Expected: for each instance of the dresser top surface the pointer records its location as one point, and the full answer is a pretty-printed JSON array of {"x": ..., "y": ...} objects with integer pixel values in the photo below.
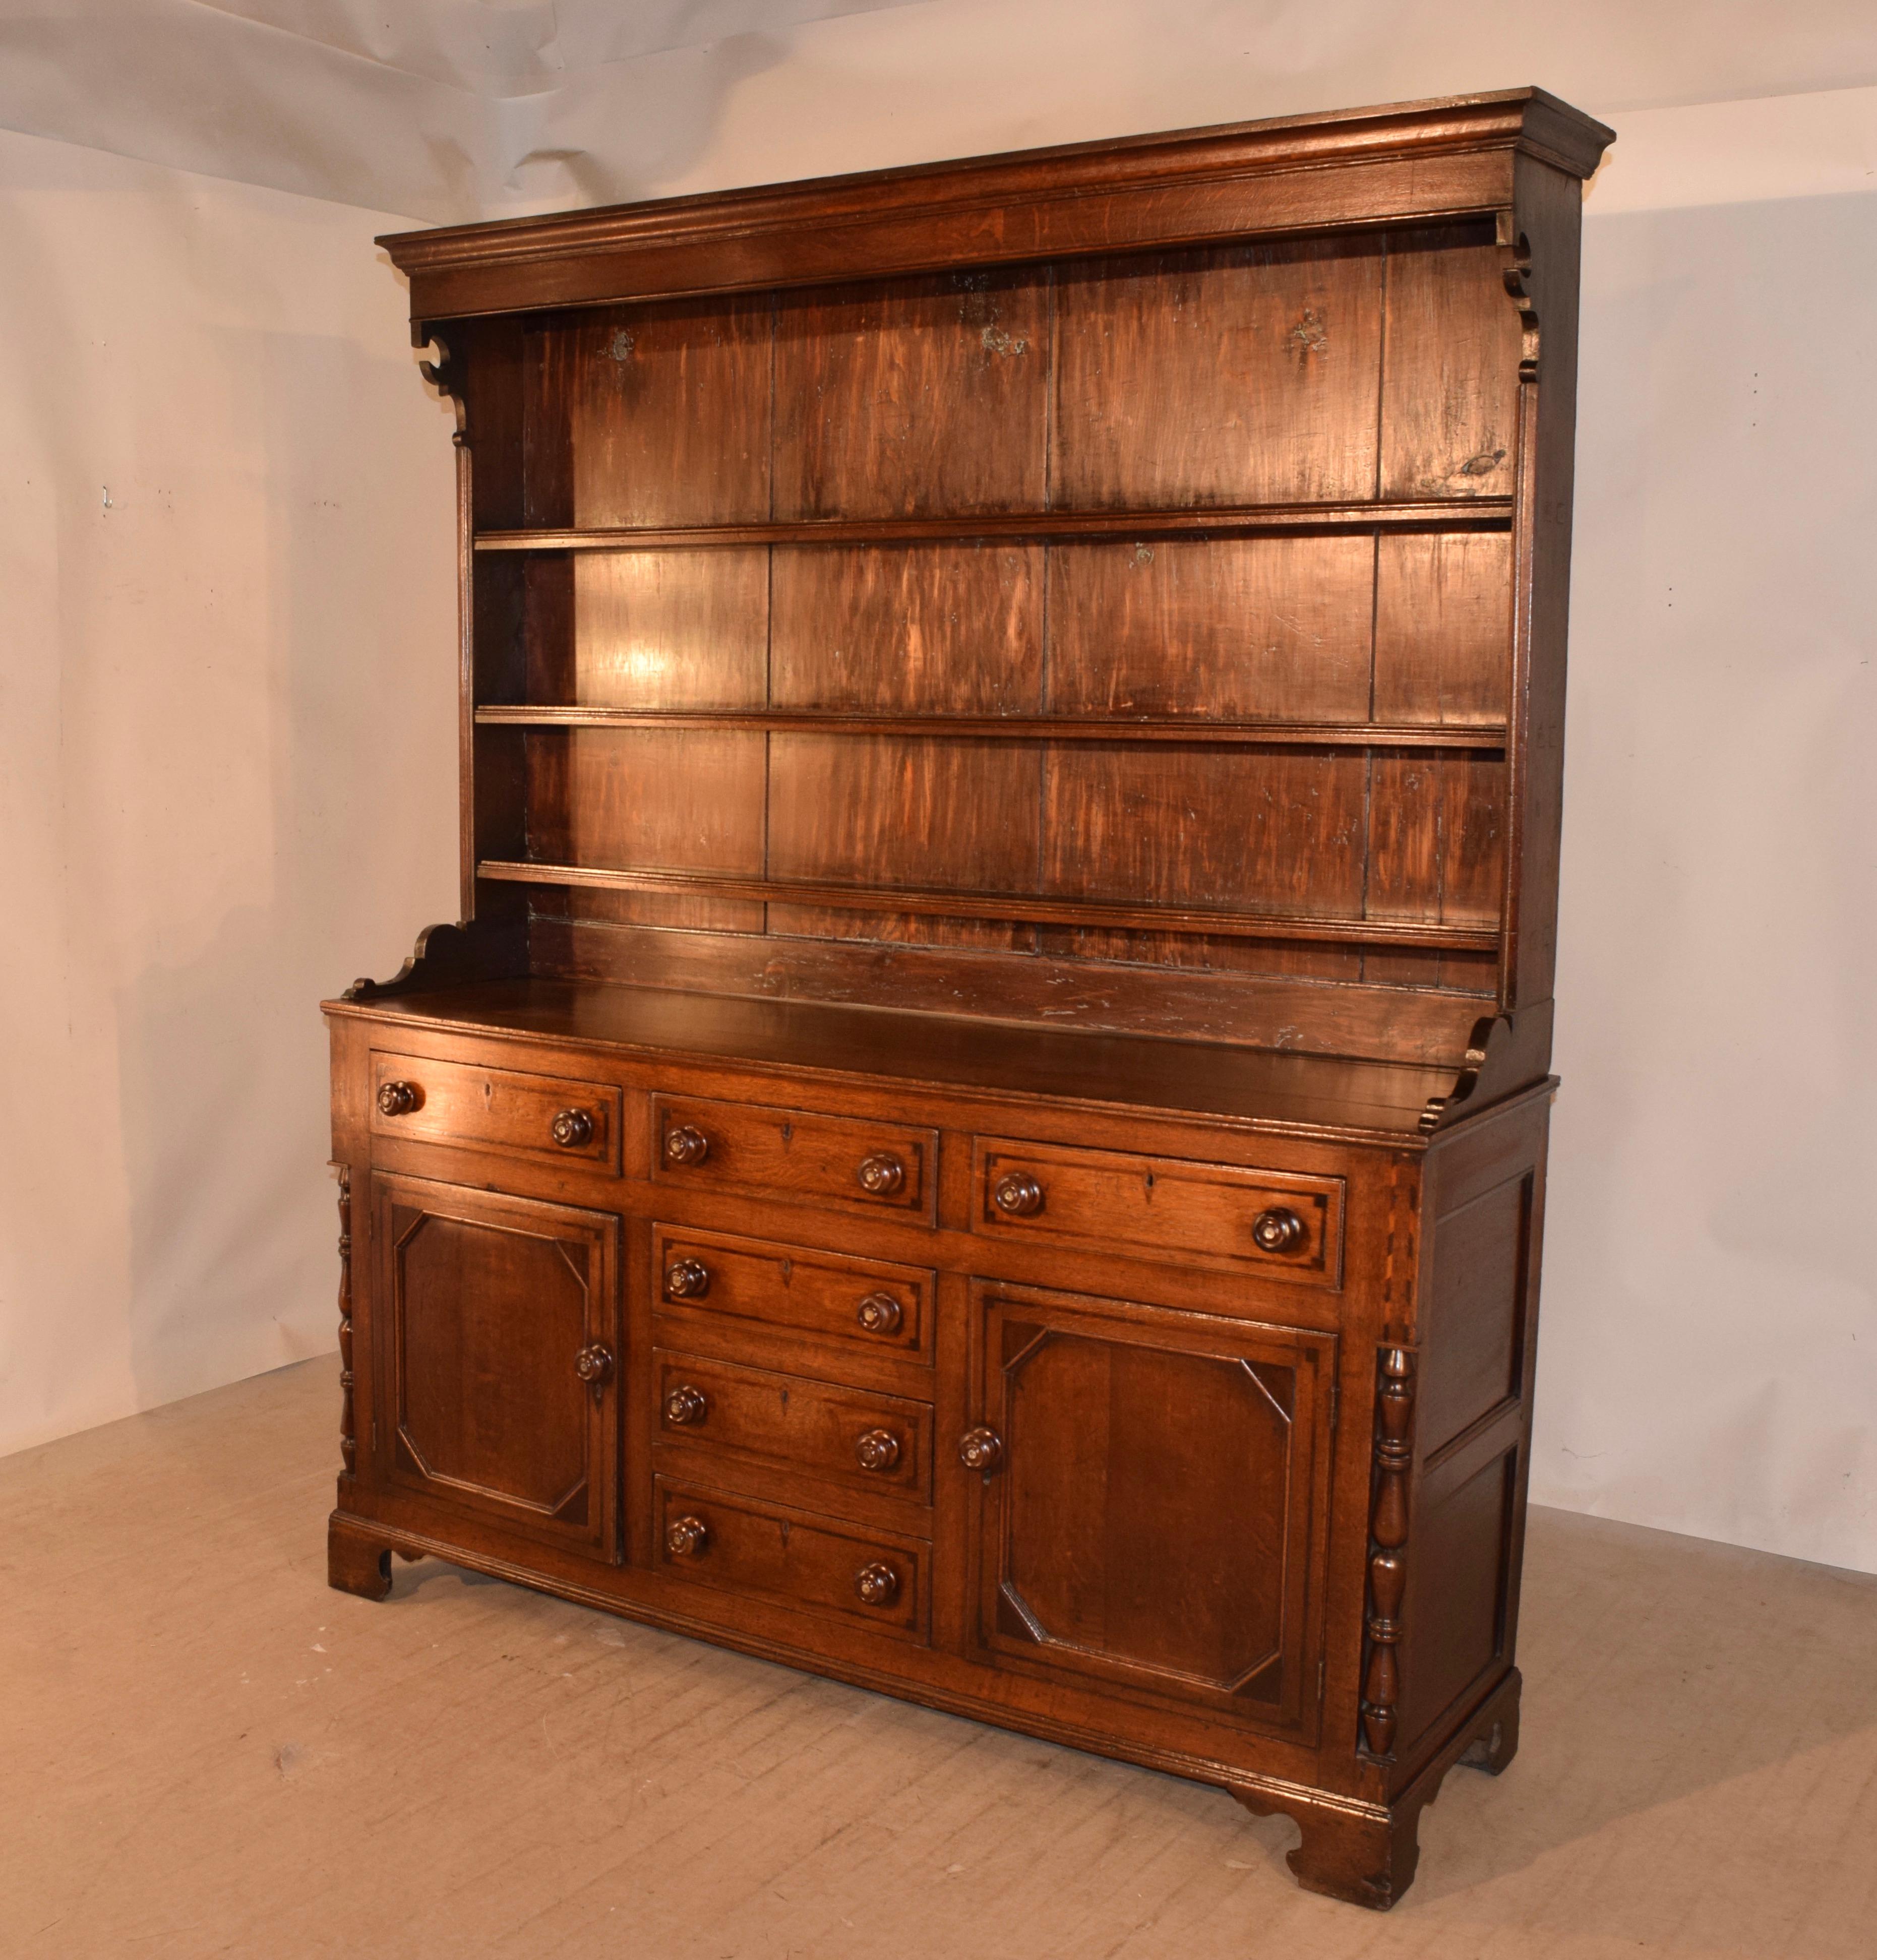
[{"x": 1370, "y": 1100}]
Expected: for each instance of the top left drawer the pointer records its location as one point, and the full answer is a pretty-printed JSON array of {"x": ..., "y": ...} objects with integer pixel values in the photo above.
[{"x": 537, "y": 1117}]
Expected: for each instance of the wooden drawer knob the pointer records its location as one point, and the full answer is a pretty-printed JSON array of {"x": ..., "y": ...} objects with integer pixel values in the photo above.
[
  {"x": 685, "y": 1538},
  {"x": 685, "y": 1404},
  {"x": 684, "y": 1145},
  {"x": 881, "y": 1175},
  {"x": 1018, "y": 1194},
  {"x": 592, "y": 1365},
  {"x": 879, "y": 1313},
  {"x": 400, "y": 1099},
  {"x": 877, "y": 1449},
  {"x": 980, "y": 1450},
  {"x": 687, "y": 1279},
  {"x": 573, "y": 1129},
  {"x": 1279, "y": 1229},
  {"x": 878, "y": 1584}
]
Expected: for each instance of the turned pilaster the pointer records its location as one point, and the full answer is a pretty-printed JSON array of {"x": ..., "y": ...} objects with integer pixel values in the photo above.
[
  {"x": 348, "y": 1437},
  {"x": 1387, "y": 1535}
]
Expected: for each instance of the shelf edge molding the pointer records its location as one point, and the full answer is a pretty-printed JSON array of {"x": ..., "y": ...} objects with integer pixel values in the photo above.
[
  {"x": 1095, "y": 914},
  {"x": 1487, "y": 738},
  {"x": 1441, "y": 514}
]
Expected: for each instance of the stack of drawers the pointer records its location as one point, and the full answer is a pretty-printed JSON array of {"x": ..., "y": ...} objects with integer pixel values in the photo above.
[{"x": 792, "y": 1460}]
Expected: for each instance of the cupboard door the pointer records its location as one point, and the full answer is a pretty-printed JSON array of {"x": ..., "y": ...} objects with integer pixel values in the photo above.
[
  {"x": 1153, "y": 1500},
  {"x": 501, "y": 1356}
]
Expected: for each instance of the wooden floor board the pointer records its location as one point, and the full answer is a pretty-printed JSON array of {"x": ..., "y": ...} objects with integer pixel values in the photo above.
[{"x": 203, "y": 1752}]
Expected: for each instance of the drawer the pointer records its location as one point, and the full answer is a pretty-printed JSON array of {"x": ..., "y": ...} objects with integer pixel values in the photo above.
[
  {"x": 854, "y": 1438},
  {"x": 792, "y": 1558},
  {"x": 841, "y": 1160},
  {"x": 541, "y": 1118},
  {"x": 1271, "y": 1222},
  {"x": 860, "y": 1307}
]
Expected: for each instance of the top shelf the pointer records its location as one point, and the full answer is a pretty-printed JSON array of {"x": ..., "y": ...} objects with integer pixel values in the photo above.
[{"x": 1450, "y": 513}]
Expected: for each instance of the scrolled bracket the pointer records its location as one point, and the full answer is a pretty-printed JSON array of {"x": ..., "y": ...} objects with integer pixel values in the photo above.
[
  {"x": 1387, "y": 1548},
  {"x": 447, "y": 375},
  {"x": 1516, "y": 271},
  {"x": 452, "y": 955}
]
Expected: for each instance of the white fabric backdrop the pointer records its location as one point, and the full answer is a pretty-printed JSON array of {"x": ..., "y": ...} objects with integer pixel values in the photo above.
[{"x": 217, "y": 690}]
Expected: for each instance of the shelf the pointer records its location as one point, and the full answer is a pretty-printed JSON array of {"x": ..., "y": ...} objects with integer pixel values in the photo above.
[
  {"x": 1435, "y": 513},
  {"x": 1095, "y": 914},
  {"x": 1479, "y": 738}
]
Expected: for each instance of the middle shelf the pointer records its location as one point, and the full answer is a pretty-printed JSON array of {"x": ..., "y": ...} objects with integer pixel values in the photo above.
[{"x": 1477, "y": 738}]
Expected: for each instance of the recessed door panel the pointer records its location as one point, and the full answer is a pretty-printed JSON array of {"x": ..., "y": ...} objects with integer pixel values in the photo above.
[
  {"x": 504, "y": 1355},
  {"x": 1154, "y": 1513}
]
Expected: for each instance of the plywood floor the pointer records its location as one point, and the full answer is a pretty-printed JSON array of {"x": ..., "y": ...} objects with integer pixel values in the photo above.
[{"x": 203, "y": 1752}]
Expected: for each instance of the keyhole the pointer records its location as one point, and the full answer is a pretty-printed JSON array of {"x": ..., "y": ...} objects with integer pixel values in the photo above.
[
  {"x": 788, "y": 1269},
  {"x": 788, "y": 1130},
  {"x": 785, "y": 1398}
]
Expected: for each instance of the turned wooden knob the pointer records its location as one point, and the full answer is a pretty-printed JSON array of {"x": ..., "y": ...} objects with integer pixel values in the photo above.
[
  {"x": 400, "y": 1099},
  {"x": 592, "y": 1365},
  {"x": 685, "y": 1404},
  {"x": 573, "y": 1129},
  {"x": 1017, "y": 1193},
  {"x": 877, "y": 1449},
  {"x": 684, "y": 1145},
  {"x": 882, "y": 1174},
  {"x": 879, "y": 1313},
  {"x": 877, "y": 1584},
  {"x": 685, "y": 1538},
  {"x": 1279, "y": 1229},
  {"x": 687, "y": 1279},
  {"x": 980, "y": 1450}
]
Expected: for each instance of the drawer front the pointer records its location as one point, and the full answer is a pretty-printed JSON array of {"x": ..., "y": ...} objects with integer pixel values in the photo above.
[
  {"x": 1271, "y": 1222},
  {"x": 541, "y": 1118},
  {"x": 768, "y": 1552},
  {"x": 840, "y": 1161},
  {"x": 848, "y": 1437},
  {"x": 860, "y": 1307}
]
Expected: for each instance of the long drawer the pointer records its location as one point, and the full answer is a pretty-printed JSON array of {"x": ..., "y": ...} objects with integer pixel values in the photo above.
[
  {"x": 780, "y": 1297},
  {"x": 1221, "y": 1216},
  {"x": 765, "y": 1551},
  {"x": 855, "y": 1439},
  {"x": 532, "y": 1118},
  {"x": 849, "y": 1162}
]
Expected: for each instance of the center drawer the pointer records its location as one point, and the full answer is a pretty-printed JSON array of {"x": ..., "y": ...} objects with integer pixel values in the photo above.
[
  {"x": 846, "y": 1161},
  {"x": 765, "y": 1295},
  {"x": 855, "y": 1439}
]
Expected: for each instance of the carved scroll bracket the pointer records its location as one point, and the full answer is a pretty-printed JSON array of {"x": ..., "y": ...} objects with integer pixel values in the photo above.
[
  {"x": 1388, "y": 1562},
  {"x": 453, "y": 956},
  {"x": 348, "y": 1434},
  {"x": 1517, "y": 274},
  {"x": 446, "y": 376}
]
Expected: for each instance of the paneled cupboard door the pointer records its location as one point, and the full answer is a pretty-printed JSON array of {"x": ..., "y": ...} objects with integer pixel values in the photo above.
[
  {"x": 1152, "y": 1500},
  {"x": 502, "y": 1352}
]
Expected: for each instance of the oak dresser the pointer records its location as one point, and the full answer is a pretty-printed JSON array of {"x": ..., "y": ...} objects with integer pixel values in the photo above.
[{"x": 982, "y": 1131}]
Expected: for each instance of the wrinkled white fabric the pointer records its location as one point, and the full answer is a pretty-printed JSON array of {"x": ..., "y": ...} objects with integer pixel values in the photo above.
[{"x": 448, "y": 110}]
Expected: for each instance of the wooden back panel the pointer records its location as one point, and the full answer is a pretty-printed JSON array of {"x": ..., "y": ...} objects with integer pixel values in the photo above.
[{"x": 1069, "y": 625}]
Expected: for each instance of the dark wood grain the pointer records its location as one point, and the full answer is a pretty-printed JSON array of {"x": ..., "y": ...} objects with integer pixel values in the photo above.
[
  {"x": 1450, "y": 393},
  {"x": 1244, "y": 374},
  {"x": 940, "y": 630},
  {"x": 1228, "y": 630},
  {"x": 668, "y": 630},
  {"x": 920, "y": 396}
]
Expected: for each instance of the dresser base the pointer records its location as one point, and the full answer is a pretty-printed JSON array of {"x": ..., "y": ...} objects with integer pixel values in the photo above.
[{"x": 1362, "y": 1853}]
